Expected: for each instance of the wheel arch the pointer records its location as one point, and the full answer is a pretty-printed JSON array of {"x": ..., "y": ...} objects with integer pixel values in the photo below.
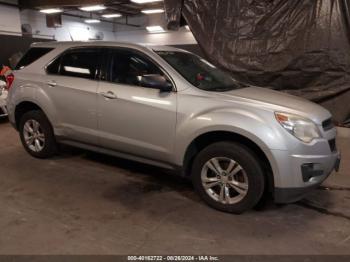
[
  {"x": 24, "y": 107},
  {"x": 205, "y": 139}
]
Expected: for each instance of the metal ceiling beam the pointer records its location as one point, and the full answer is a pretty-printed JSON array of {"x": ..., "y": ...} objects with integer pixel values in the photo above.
[
  {"x": 76, "y": 3},
  {"x": 124, "y": 11},
  {"x": 59, "y": 3}
]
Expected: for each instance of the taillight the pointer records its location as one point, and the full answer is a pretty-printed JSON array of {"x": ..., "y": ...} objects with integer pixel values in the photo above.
[{"x": 9, "y": 80}]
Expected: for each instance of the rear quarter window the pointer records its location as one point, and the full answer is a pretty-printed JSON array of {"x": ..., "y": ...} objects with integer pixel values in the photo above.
[{"x": 31, "y": 56}]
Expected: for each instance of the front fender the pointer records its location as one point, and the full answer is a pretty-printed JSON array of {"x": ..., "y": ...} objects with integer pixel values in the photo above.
[{"x": 260, "y": 128}]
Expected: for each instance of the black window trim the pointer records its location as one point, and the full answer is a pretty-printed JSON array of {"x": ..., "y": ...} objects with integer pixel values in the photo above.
[
  {"x": 104, "y": 61},
  {"x": 107, "y": 59},
  {"x": 97, "y": 76}
]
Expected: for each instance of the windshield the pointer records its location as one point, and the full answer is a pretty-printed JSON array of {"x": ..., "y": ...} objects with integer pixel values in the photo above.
[{"x": 200, "y": 72}]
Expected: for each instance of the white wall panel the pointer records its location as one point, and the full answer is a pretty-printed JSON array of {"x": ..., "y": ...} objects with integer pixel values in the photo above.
[{"x": 10, "y": 22}]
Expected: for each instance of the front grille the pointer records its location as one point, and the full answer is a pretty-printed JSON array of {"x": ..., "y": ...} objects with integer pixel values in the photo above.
[
  {"x": 327, "y": 124},
  {"x": 332, "y": 145}
]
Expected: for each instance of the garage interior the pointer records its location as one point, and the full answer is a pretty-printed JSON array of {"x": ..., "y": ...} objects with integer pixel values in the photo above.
[{"x": 85, "y": 203}]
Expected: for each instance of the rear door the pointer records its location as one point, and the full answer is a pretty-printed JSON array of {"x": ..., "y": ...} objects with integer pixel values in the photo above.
[
  {"x": 135, "y": 119},
  {"x": 72, "y": 82}
]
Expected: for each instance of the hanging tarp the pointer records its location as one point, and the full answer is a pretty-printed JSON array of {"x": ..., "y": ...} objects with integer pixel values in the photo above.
[{"x": 297, "y": 46}]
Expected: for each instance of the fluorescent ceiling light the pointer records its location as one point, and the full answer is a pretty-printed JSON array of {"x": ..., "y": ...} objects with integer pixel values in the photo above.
[
  {"x": 51, "y": 11},
  {"x": 145, "y": 1},
  {"x": 92, "y": 21},
  {"x": 92, "y": 8},
  {"x": 155, "y": 29},
  {"x": 111, "y": 15},
  {"x": 152, "y": 11}
]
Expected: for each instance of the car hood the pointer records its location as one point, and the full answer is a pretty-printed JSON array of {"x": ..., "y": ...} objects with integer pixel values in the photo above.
[{"x": 279, "y": 101}]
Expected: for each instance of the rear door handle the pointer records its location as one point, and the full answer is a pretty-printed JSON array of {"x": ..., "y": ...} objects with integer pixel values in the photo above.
[
  {"x": 52, "y": 83},
  {"x": 109, "y": 95}
]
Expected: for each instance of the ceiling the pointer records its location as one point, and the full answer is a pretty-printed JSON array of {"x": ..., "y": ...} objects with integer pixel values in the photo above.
[{"x": 124, "y": 7}]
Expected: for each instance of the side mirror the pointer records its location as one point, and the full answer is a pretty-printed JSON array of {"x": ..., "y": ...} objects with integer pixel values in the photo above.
[{"x": 156, "y": 81}]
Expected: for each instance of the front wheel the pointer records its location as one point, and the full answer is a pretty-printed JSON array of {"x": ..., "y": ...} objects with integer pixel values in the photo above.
[
  {"x": 228, "y": 177},
  {"x": 37, "y": 134}
]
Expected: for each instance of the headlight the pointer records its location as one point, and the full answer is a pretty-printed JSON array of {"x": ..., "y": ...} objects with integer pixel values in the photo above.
[{"x": 302, "y": 128}]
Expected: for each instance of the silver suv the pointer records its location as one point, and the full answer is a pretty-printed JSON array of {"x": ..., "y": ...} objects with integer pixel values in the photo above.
[{"x": 170, "y": 108}]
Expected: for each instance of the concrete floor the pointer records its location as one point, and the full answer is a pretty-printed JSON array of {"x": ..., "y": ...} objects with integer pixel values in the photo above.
[{"x": 85, "y": 203}]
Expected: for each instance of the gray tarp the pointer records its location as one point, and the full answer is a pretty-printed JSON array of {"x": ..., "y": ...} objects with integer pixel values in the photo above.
[{"x": 298, "y": 46}]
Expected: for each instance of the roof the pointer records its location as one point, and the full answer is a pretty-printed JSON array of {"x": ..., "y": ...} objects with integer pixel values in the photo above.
[{"x": 68, "y": 44}]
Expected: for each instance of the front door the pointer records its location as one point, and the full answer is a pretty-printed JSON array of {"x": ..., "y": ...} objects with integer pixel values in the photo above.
[{"x": 134, "y": 119}]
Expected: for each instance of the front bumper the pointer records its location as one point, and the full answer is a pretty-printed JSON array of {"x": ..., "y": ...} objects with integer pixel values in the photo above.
[
  {"x": 291, "y": 195},
  {"x": 296, "y": 181}
]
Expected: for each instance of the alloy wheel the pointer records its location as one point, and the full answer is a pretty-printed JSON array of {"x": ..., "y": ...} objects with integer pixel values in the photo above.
[
  {"x": 224, "y": 180},
  {"x": 34, "y": 135}
]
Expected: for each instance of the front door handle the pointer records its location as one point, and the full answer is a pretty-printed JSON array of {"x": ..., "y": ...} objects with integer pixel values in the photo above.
[
  {"x": 52, "y": 83},
  {"x": 109, "y": 95}
]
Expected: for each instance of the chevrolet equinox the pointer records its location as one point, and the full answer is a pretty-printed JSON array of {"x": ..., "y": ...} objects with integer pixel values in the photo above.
[{"x": 170, "y": 108}]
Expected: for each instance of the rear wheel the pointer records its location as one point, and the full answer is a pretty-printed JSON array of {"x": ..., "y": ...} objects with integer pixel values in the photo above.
[
  {"x": 37, "y": 134},
  {"x": 228, "y": 177}
]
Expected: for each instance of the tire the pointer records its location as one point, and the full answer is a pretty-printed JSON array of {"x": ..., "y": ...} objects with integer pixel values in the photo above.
[
  {"x": 44, "y": 134},
  {"x": 241, "y": 177}
]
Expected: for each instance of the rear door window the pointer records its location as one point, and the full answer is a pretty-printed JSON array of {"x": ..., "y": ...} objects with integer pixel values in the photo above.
[
  {"x": 82, "y": 63},
  {"x": 32, "y": 55}
]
